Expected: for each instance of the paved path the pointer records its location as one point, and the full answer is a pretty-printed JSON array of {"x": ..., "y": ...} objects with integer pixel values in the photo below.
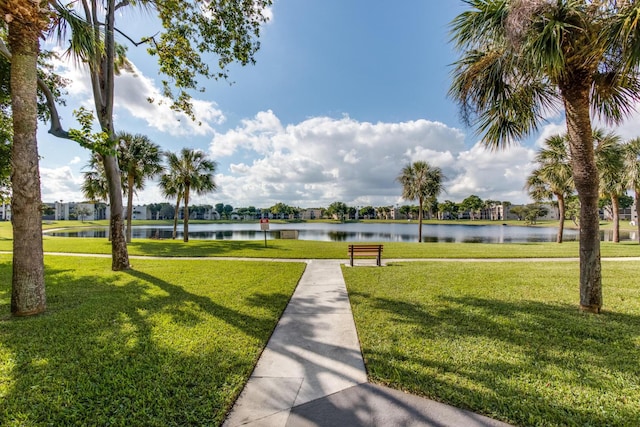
[{"x": 312, "y": 372}]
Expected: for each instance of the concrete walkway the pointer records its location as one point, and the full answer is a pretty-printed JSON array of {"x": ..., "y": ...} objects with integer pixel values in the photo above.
[{"x": 312, "y": 373}]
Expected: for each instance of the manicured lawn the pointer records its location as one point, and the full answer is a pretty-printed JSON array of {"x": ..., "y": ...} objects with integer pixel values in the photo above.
[
  {"x": 504, "y": 340},
  {"x": 168, "y": 343}
]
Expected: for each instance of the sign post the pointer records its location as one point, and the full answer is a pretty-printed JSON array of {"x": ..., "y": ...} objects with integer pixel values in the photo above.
[{"x": 264, "y": 226}]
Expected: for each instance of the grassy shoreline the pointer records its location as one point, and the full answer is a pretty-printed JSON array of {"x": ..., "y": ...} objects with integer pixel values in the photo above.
[{"x": 299, "y": 249}]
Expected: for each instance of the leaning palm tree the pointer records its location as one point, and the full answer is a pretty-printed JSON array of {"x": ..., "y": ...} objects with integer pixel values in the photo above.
[
  {"x": 553, "y": 176},
  {"x": 522, "y": 59},
  {"x": 190, "y": 171},
  {"x": 632, "y": 174},
  {"x": 420, "y": 181},
  {"x": 139, "y": 158},
  {"x": 610, "y": 160}
]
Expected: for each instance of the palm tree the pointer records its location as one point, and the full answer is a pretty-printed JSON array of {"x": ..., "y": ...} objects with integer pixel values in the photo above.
[
  {"x": 94, "y": 185},
  {"x": 170, "y": 188},
  {"x": 420, "y": 181},
  {"x": 610, "y": 160},
  {"x": 26, "y": 22},
  {"x": 632, "y": 174},
  {"x": 521, "y": 59},
  {"x": 190, "y": 171},
  {"x": 553, "y": 176},
  {"x": 139, "y": 159}
]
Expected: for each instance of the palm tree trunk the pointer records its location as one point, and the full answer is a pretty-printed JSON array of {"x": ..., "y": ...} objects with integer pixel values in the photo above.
[
  {"x": 28, "y": 287},
  {"x": 561, "y": 213},
  {"x": 420, "y": 220},
  {"x": 175, "y": 219},
  {"x": 129, "y": 206},
  {"x": 186, "y": 214},
  {"x": 585, "y": 174},
  {"x": 638, "y": 212},
  {"x": 615, "y": 206}
]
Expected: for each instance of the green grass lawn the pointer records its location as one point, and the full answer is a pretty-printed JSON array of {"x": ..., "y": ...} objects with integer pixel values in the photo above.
[
  {"x": 172, "y": 342},
  {"x": 507, "y": 341},
  {"x": 168, "y": 343}
]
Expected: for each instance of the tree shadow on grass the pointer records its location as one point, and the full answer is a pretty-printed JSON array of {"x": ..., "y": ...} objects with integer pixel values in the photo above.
[
  {"x": 532, "y": 363},
  {"x": 175, "y": 248},
  {"x": 125, "y": 349}
]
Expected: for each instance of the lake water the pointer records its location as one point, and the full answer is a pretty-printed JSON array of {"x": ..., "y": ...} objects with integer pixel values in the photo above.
[{"x": 355, "y": 232}]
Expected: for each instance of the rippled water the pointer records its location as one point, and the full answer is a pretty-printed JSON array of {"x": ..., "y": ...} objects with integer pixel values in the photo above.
[{"x": 356, "y": 232}]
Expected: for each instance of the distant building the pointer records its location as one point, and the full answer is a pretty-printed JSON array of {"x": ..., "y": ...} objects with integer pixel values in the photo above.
[
  {"x": 311, "y": 213},
  {"x": 5, "y": 212}
]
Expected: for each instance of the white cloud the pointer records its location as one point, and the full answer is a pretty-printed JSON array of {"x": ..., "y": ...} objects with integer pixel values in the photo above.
[
  {"x": 322, "y": 160},
  {"x": 132, "y": 92},
  {"x": 496, "y": 175},
  {"x": 60, "y": 184}
]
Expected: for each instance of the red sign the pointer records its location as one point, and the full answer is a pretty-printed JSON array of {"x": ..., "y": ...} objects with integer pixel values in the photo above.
[
  {"x": 263, "y": 220},
  {"x": 264, "y": 224}
]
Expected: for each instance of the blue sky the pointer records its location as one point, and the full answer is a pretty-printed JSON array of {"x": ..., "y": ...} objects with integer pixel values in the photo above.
[{"x": 343, "y": 95}]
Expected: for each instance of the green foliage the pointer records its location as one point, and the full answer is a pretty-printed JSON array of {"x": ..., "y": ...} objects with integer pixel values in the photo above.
[
  {"x": 473, "y": 204},
  {"x": 165, "y": 344},
  {"x": 507, "y": 342},
  {"x": 97, "y": 142},
  {"x": 227, "y": 29},
  {"x": 337, "y": 209}
]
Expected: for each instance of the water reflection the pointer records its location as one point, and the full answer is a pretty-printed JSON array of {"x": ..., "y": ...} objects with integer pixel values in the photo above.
[{"x": 357, "y": 232}]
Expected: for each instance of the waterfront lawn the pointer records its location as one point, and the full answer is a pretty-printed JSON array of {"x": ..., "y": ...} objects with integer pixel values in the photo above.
[
  {"x": 307, "y": 249},
  {"x": 167, "y": 343},
  {"x": 506, "y": 340}
]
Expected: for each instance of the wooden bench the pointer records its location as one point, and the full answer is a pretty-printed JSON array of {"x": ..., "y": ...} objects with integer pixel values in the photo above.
[{"x": 366, "y": 251}]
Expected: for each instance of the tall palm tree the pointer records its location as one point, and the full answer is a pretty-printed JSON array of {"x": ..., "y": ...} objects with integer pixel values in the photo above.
[
  {"x": 610, "y": 160},
  {"x": 632, "y": 174},
  {"x": 139, "y": 159},
  {"x": 553, "y": 176},
  {"x": 190, "y": 171},
  {"x": 26, "y": 23},
  {"x": 521, "y": 59},
  {"x": 170, "y": 188},
  {"x": 420, "y": 181}
]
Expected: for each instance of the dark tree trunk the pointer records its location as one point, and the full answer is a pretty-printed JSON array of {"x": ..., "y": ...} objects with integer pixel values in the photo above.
[
  {"x": 420, "y": 220},
  {"x": 175, "y": 219},
  {"x": 615, "y": 206},
  {"x": 129, "y": 206},
  {"x": 28, "y": 287},
  {"x": 186, "y": 214},
  {"x": 561, "y": 213},
  {"x": 585, "y": 175},
  {"x": 638, "y": 213}
]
